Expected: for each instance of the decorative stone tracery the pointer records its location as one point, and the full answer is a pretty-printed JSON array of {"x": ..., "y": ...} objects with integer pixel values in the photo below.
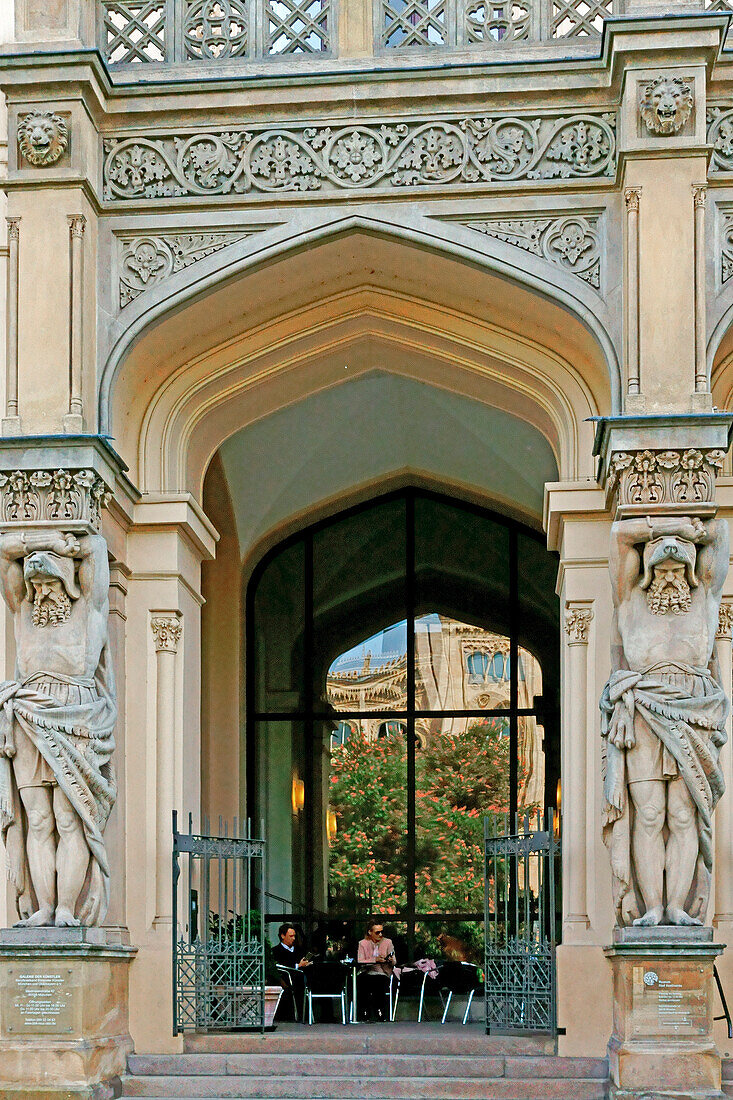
[
  {"x": 571, "y": 243},
  {"x": 50, "y": 496},
  {"x": 668, "y": 479},
  {"x": 147, "y": 260}
]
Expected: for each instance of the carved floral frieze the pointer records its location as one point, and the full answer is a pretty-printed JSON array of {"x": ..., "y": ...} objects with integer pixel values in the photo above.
[
  {"x": 283, "y": 160},
  {"x": 148, "y": 259},
  {"x": 648, "y": 479},
  {"x": 720, "y": 138},
  {"x": 571, "y": 243},
  {"x": 40, "y": 496}
]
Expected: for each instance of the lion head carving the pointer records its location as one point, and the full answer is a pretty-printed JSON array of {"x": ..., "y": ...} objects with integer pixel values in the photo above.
[
  {"x": 665, "y": 104},
  {"x": 42, "y": 137}
]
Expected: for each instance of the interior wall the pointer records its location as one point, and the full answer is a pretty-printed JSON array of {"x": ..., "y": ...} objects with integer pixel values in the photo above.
[{"x": 220, "y": 643}]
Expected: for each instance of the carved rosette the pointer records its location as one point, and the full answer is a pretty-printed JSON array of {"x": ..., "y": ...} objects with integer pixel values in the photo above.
[
  {"x": 578, "y": 618},
  {"x": 669, "y": 481},
  {"x": 166, "y": 630},
  {"x": 52, "y": 497},
  {"x": 725, "y": 621}
]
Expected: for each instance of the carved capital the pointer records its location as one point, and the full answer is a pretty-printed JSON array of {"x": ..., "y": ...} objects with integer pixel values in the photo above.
[
  {"x": 52, "y": 497},
  {"x": 577, "y": 621},
  {"x": 699, "y": 195},
  {"x": 77, "y": 224},
  {"x": 13, "y": 228},
  {"x": 632, "y": 197},
  {"x": 166, "y": 627},
  {"x": 725, "y": 620},
  {"x": 666, "y": 481}
]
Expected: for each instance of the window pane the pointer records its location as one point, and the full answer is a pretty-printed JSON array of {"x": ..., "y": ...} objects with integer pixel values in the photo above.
[
  {"x": 279, "y": 624},
  {"x": 461, "y": 774},
  {"x": 358, "y": 593},
  {"x": 371, "y": 675},
  {"x": 281, "y": 802},
  {"x": 364, "y": 816},
  {"x": 459, "y": 666}
]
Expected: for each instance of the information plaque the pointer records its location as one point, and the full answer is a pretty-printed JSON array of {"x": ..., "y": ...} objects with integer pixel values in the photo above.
[
  {"x": 38, "y": 999},
  {"x": 669, "y": 1001}
]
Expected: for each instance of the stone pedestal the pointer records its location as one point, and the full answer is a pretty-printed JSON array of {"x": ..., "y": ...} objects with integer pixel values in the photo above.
[
  {"x": 662, "y": 1043},
  {"x": 64, "y": 1030}
]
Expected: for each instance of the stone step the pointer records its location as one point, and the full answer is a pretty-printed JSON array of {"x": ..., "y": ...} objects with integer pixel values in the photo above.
[
  {"x": 362, "y": 1088},
  {"x": 356, "y": 1065},
  {"x": 398, "y": 1039}
]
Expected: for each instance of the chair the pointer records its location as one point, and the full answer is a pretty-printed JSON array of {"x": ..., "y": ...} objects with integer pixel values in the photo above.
[
  {"x": 325, "y": 981},
  {"x": 412, "y": 982},
  {"x": 286, "y": 974},
  {"x": 460, "y": 978}
]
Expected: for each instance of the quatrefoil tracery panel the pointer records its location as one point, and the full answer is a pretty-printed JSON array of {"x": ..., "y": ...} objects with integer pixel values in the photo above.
[
  {"x": 297, "y": 26},
  {"x": 497, "y": 21},
  {"x": 134, "y": 32},
  {"x": 215, "y": 29}
]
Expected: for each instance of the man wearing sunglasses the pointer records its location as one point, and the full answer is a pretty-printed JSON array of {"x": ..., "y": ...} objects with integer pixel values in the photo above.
[{"x": 377, "y": 966}]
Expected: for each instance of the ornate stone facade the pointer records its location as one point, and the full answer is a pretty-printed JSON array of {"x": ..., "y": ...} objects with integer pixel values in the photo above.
[
  {"x": 572, "y": 243},
  {"x": 665, "y": 104},
  {"x": 669, "y": 480},
  {"x": 52, "y": 496},
  {"x": 42, "y": 138}
]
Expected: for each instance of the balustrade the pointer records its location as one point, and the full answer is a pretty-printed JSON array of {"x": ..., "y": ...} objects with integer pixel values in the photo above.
[{"x": 134, "y": 32}]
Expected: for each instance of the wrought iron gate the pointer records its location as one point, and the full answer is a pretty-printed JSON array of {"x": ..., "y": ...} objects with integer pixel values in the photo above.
[
  {"x": 218, "y": 929},
  {"x": 520, "y": 922}
]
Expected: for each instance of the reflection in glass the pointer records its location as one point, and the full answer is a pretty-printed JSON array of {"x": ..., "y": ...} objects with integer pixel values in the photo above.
[{"x": 372, "y": 675}]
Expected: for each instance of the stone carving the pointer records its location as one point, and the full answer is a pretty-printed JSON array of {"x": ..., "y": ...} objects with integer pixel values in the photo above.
[
  {"x": 57, "y": 784},
  {"x": 726, "y": 248},
  {"x": 665, "y": 104},
  {"x": 500, "y": 23},
  {"x": 572, "y": 243},
  {"x": 683, "y": 478},
  {"x": 134, "y": 31},
  {"x": 215, "y": 29},
  {"x": 37, "y": 496},
  {"x": 146, "y": 261},
  {"x": 663, "y": 715},
  {"x": 720, "y": 137},
  {"x": 725, "y": 621},
  {"x": 42, "y": 138},
  {"x": 167, "y": 632},
  {"x": 279, "y": 160},
  {"x": 577, "y": 622},
  {"x": 297, "y": 26}
]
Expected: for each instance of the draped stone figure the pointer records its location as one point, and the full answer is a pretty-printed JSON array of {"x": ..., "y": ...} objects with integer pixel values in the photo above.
[
  {"x": 57, "y": 717},
  {"x": 663, "y": 714}
]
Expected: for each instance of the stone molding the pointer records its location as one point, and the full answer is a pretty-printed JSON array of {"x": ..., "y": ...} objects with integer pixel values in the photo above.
[
  {"x": 52, "y": 497},
  {"x": 666, "y": 480},
  {"x": 148, "y": 259},
  {"x": 725, "y": 620},
  {"x": 281, "y": 159},
  {"x": 43, "y": 138},
  {"x": 577, "y": 622},
  {"x": 571, "y": 242},
  {"x": 166, "y": 627}
]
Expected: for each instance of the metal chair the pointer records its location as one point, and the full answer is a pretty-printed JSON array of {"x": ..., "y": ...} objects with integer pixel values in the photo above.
[
  {"x": 325, "y": 981},
  {"x": 286, "y": 973},
  {"x": 460, "y": 978},
  {"x": 411, "y": 981}
]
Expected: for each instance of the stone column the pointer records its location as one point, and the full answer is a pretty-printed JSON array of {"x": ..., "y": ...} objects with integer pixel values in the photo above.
[
  {"x": 724, "y": 813},
  {"x": 74, "y": 420},
  {"x": 701, "y": 373},
  {"x": 166, "y": 627},
  {"x": 632, "y": 195},
  {"x": 578, "y": 618},
  {"x": 11, "y": 421}
]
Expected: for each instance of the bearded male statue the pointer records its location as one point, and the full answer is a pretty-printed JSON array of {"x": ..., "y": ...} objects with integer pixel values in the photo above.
[
  {"x": 663, "y": 714},
  {"x": 57, "y": 718}
]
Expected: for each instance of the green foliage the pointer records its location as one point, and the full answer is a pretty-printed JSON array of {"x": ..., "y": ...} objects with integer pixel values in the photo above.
[{"x": 459, "y": 778}]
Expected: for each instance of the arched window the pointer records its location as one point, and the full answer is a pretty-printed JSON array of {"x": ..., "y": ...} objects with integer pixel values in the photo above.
[{"x": 381, "y": 645}]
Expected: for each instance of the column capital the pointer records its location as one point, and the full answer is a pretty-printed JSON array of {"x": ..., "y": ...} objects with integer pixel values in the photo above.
[
  {"x": 166, "y": 627},
  {"x": 699, "y": 194},
  {"x": 632, "y": 197},
  {"x": 725, "y": 620},
  {"x": 13, "y": 225},
  {"x": 77, "y": 224},
  {"x": 577, "y": 622}
]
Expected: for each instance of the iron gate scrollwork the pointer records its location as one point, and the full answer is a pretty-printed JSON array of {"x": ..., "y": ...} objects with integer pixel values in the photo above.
[
  {"x": 520, "y": 923},
  {"x": 218, "y": 929}
]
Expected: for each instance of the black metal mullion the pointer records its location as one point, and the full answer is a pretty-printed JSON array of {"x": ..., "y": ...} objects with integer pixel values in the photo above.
[
  {"x": 514, "y": 673},
  {"x": 410, "y": 609},
  {"x": 308, "y": 725}
]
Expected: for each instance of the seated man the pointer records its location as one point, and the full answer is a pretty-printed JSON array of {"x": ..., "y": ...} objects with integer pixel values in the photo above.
[
  {"x": 288, "y": 953},
  {"x": 377, "y": 965}
]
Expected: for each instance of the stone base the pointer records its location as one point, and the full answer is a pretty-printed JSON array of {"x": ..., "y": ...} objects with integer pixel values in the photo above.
[
  {"x": 662, "y": 1044},
  {"x": 64, "y": 1030}
]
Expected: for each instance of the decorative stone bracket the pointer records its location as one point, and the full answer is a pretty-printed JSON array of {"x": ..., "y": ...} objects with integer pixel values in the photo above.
[
  {"x": 42, "y": 497},
  {"x": 662, "y": 465}
]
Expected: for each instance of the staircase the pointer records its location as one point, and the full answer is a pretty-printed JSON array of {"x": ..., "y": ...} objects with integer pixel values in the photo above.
[{"x": 401, "y": 1062}]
